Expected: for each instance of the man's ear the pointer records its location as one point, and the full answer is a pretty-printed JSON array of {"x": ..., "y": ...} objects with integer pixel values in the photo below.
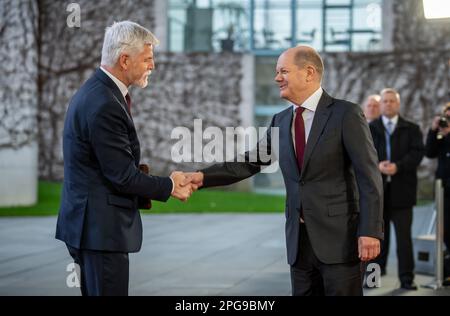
[
  {"x": 124, "y": 61},
  {"x": 310, "y": 73}
]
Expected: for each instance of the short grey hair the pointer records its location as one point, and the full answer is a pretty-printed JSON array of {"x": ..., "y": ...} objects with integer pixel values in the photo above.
[
  {"x": 125, "y": 37},
  {"x": 375, "y": 97},
  {"x": 304, "y": 57},
  {"x": 390, "y": 90}
]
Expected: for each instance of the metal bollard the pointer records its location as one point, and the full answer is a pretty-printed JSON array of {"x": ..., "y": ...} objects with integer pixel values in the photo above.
[
  {"x": 439, "y": 263},
  {"x": 439, "y": 233}
]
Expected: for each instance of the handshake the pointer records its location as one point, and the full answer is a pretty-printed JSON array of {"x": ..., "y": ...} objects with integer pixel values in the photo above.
[{"x": 185, "y": 183}]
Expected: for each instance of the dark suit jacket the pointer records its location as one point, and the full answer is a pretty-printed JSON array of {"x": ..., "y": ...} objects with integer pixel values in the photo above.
[
  {"x": 102, "y": 180},
  {"x": 407, "y": 151},
  {"x": 339, "y": 186}
]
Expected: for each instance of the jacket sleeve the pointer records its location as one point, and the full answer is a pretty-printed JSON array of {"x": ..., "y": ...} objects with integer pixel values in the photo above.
[
  {"x": 243, "y": 166},
  {"x": 110, "y": 142},
  {"x": 416, "y": 151},
  {"x": 432, "y": 144},
  {"x": 359, "y": 146}
]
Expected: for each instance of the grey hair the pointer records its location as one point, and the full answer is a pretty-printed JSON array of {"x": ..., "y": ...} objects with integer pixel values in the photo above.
[
  {"x": 390, "y": 90},
  {"x": 125, "y": 37},
  {"x": 375, "y": 97},
  {"x": 310, "y": 56}
]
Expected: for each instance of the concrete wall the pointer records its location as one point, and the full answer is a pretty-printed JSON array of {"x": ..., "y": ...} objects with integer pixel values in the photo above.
[
  {"x": 68, "y": 57},
  {"x": 18, "y": 102},
  {"x": 412, "y": 31}
]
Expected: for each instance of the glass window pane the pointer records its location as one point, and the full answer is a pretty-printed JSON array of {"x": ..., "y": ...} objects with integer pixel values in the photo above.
[
  {"x": 176, "y": 24},
  {"x": 309, "y": 23},
  {"x": 272, "y": 24},
  {"x": 231, "y": 23},
  {"x": 351, "y": 25},
  {"x": 366, "y": 32}
]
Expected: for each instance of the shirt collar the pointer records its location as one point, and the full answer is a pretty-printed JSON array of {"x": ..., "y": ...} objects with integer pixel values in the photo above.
[
  {"x": 311, "y": 102},
  {"x": 122, "y": 87},
  {"x": 385, "y": 119}
]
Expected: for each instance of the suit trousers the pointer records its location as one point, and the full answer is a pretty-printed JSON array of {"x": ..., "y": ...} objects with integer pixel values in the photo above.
[
  {"x": 402, "y": 219},
  {"x": 311, "y": 277},
  {"x": 447, "y": 219},
  {"x": 102, "y": 273}
]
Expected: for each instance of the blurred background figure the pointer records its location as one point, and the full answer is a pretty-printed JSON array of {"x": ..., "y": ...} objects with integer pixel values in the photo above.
[
  {"x": 371, "y": 107},
  {"x": 400, "y": 150},
  {"x": 438, "y": 146}
]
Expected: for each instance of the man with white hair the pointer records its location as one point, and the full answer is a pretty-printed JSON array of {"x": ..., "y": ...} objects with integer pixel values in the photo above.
[
  {"x": 400, "y": 149},
  {"x": 371, "y": 107},
  {"x": 99, "y": 218}
]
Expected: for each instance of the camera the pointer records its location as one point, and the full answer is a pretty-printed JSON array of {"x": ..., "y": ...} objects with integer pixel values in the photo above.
[{"x": 443, "y": 122}]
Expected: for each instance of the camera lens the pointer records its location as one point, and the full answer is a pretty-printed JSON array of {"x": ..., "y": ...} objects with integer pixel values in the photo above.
[{"x": 443, "y": 122}]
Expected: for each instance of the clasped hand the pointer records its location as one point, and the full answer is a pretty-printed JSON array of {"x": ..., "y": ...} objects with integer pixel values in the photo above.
[
  {"x": 388, "y": 168},
  {"x": 185, "y": 184}
]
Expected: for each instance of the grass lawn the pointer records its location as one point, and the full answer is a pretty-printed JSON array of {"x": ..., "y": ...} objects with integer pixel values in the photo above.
[{"x": 203, "y": 201}]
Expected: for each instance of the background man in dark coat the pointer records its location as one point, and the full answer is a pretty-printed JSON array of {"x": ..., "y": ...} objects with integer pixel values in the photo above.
[{"x": 400, "y": 150}]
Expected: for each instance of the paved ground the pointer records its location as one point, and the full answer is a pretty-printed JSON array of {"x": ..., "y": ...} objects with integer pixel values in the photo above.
[{"x": 232, "y": 254}]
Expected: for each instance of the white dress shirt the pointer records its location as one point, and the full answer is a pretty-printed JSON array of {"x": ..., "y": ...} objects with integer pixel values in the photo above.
[
  {"x": 122, "y": 87},
  {"x": 394, "y": 121},
  {"x": 310, "y": 106}
]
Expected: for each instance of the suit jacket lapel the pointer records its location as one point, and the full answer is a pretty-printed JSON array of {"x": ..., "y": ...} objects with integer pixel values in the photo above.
[
  {"x": 401, "y": 124},
  {"x": 115, "y": 90},
  {"x": 286, "y": 142},
  {"x": 320, "y": 119},
  {"x": 379, "y": 130}
]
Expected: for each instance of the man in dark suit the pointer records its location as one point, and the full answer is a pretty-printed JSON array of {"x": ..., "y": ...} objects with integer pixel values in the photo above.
[
  {"x": 334, "y": 190},
  {"x": 99, "y": 218},
  {"x": 400, "y": 148}
]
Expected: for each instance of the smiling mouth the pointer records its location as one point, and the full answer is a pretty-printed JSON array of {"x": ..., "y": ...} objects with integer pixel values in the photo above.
[{"x": 283, "y": 87}]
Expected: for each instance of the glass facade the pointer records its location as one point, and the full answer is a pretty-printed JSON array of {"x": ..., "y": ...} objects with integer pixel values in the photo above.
[{"x": 269, "y": 26}]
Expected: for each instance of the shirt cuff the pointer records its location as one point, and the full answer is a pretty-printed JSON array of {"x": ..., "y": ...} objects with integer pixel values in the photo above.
[{"x": 173, "y": 185}]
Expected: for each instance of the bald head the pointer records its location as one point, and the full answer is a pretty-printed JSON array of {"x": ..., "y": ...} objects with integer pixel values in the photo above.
[{"x": 304, "y": 56}]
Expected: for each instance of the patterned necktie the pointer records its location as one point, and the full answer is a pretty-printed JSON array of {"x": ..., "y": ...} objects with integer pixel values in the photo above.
[
  {"x": 128, "y": 99},
  {"x": 300, "y": 141}
]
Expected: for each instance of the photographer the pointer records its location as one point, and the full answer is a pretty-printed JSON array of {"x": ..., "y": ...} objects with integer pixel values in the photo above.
[{"x": 438, "y": 145}]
